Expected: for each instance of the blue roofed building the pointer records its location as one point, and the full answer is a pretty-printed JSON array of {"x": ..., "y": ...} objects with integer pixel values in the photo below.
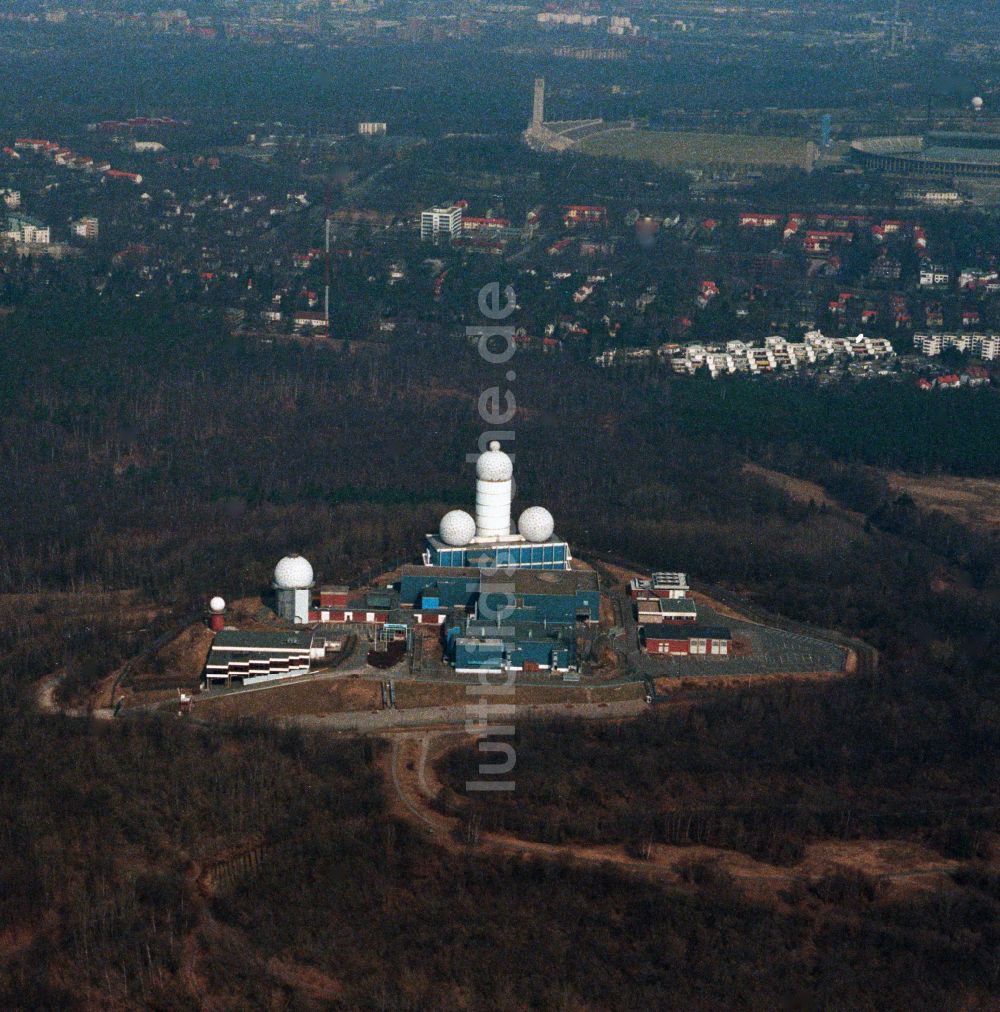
[
  {"x": 513, "y": 644},
  {"x": 566, "y": 596}
]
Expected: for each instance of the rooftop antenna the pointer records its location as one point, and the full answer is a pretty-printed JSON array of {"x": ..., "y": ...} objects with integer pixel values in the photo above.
[
  {"x": 326, "y": 267},
  {"x": 894, "y": 30}
]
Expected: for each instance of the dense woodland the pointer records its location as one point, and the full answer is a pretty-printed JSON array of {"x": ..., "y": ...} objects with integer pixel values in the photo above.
[
  {"x": 151, "y": 461},
  {"x": 106, "y": 828}
]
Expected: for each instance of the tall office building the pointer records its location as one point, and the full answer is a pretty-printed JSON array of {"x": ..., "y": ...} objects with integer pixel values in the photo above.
[{"x": 440, "y": 221}]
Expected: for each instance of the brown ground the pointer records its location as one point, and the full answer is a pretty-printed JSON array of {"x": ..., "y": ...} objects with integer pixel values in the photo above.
[
  {"x": 316, "y": 697},
  {"x": 621, "y": 575},
  {"x": 900, "y": 865},
  {"x": 701, "y": 682},
  {"x": 799, "y": 489},
  {"x": 971, "y": 501},
  {"x": 414, "y": 694},
  {"x": 182, "y": 658}
]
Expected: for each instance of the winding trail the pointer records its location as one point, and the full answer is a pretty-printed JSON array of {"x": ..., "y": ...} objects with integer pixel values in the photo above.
[{"x": 901, "y": 865}]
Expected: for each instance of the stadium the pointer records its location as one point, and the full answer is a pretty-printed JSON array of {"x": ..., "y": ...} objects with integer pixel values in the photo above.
[{"x": 938, "y": 154}]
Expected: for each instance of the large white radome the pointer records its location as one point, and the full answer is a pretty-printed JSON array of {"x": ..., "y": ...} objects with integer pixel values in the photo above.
[
  {"x": 293, "y": 573},
  {"x": 217, "y": 605},
  {"x": 457, "y": 528},
  {"x": 536, "y": 524},
  {"x": 494, "y": 464}
]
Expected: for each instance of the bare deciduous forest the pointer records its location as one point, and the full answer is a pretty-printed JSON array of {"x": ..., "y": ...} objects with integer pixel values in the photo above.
[{"x": 145, "y": 453}]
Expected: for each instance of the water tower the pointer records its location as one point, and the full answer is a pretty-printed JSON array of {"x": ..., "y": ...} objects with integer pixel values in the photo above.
[{"x": 217, "y": 614}]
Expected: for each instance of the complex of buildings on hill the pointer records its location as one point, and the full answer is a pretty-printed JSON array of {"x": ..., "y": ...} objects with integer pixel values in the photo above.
[{"x": 504, "y": 599}]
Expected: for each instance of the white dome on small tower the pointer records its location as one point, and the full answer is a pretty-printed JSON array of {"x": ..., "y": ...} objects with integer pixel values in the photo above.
[
  {"x": 494, "y": 464},
  {"x": 536, "y": 524},
  {"x": 293, "y": 573},
  {"x": 457, "y": 528},
  {"x": 217, "y": 606},
  {"x": 977, "y": 103}
]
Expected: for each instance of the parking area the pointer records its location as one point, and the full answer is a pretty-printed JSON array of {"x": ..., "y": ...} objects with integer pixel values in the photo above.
[{"x": 770, "y": 651}]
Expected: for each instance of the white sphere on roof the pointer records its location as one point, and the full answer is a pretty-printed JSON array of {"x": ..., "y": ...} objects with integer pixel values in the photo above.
[
  {"x": 457, "y": 528},
  {"x": 293, "y": 573},
  {"x": 977, "y": 103},
  {"x": 494, "y": 464},
  {"x": 217, "y": 606},
  {"x": 536, "y": 524}
]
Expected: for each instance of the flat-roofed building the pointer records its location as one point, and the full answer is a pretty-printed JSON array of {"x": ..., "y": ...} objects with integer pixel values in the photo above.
[
  {"x": 665, "y": 585},
  {"x": 250, "y": 657},
  {"x": 441, "y": 221},
  {"x": 657, "y": 610},
  {"x": 682, "y": 640},
  {"x": 556, "y": 596}
]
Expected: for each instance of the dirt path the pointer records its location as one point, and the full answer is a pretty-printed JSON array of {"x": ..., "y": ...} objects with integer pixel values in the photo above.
[
  {"x": 45, "y": 698},
  {"x": 419, "y": 717},
  {"x": 208, "y": 933},
  {"x": 903, "y": 866}
]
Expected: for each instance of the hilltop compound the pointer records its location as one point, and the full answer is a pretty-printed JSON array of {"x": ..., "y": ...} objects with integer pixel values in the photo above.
[{"x": 491, "y": 598}]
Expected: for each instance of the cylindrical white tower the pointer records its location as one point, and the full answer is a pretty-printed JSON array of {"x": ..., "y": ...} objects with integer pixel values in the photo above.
[
  {"x": 494, "y": 491},
  {"x": 293, "y": 578}
]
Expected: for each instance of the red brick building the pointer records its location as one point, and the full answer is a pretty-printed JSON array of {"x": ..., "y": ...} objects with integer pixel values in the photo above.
[{"x": 684, "y": 640}]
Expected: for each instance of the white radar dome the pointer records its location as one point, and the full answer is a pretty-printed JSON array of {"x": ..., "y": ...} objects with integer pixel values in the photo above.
[
  {"x": 977, "y": 103},
  {"x": 217, "y": 605},
  {"x": 293, "y": 573},
  {"x": 536, "y": 524},
  {"x": 494, "y": 464},
  {"x": 457, "y": 528}
]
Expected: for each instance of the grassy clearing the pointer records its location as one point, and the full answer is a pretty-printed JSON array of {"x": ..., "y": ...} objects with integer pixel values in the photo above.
[
  {"x": 971, "y": 501},
  {"x": 684, "y": 148},
  {"x": 312, "y": 698}
]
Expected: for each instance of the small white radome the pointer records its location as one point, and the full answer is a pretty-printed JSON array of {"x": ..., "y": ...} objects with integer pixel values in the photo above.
[
  {"x": 217, "y": 605},
  {"x": 494, "y": 464}
]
